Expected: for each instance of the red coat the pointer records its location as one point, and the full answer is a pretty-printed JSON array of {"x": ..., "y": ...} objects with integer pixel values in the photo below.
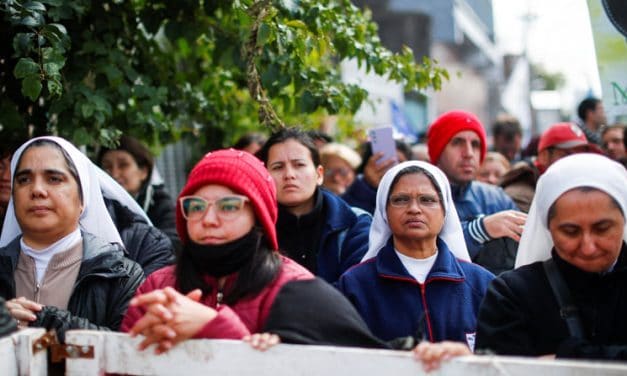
[{"x": 245, "y": 317}]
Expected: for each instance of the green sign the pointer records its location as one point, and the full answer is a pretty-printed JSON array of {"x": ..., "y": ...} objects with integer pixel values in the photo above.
[{"x": 609, "y": 29}]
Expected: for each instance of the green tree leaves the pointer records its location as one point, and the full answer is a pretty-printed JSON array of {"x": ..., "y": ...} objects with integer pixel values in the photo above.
[{"x": 160, "y": 70}]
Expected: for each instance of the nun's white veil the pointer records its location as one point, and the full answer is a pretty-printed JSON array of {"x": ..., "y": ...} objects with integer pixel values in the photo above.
[
  {"x": 94, "y": 218},
  {"x": 451, "y": 232},
  {"x": 579, "y": 170}
]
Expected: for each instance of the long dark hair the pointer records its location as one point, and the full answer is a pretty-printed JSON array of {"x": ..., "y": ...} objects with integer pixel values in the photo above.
[{"x": 261, "y": 269}]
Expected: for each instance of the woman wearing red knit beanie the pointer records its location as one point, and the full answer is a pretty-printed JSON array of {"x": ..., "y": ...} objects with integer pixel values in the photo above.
[{"x": 229, "y": 271}]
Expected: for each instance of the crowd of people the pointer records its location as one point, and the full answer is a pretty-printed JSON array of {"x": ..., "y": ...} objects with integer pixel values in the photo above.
[{"x": 298, "y": 239}]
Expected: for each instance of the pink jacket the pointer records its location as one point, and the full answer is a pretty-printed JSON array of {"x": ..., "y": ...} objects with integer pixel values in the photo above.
[{"x": 245, "y": 317}]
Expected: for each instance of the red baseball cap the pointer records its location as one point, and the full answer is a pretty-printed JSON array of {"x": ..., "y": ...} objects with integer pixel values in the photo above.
[{"x": 562, "y": 136}]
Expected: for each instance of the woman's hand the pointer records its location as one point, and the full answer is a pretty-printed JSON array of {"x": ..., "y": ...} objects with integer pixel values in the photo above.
[
  {"x": 376, "y": 168},
  {"x": 432, "y": 354},
  {"x": 23, "y": 310},
  {"x": 171, "y": 317},
  {"x": 262, "y": 341}
]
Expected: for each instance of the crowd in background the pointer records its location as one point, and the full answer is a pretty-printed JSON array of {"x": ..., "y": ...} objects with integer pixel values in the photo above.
[{"x": 454, "y": 247}]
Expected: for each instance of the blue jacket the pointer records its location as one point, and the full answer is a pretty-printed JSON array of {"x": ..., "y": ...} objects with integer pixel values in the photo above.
[
  {"x": 474, "y": 201},
  {"x": 394, "y": 304},
  {"x": 344, "y": 237},
  {"x": 361, "y": 195}
]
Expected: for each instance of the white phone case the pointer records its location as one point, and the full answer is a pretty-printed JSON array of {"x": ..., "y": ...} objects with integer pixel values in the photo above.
[{"x": 382, "y": 140}]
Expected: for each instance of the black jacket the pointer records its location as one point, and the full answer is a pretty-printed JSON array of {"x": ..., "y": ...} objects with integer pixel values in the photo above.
[
  {"x": 520, "y": 315},
  {"x": 7, "y": 323},
  {"x": 105, "y": 284},
  {"x": 146, "y": 245},
  {"x": 160, "y": 211}
]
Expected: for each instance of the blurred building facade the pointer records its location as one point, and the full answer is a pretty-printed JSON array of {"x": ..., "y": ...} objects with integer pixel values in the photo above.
[{"x": 459, "y": 35}]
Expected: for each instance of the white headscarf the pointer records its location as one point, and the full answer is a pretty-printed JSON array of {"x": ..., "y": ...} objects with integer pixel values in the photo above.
[
  {"x": 451, "y": 232},
  {"x": 111, "y": 189},
  {"x": 94, "y": 219},
  {"x": 579, "y": 170}
]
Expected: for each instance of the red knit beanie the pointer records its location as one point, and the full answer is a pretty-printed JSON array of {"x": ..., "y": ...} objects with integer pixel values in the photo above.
[
  {"x": 448, "y": 125},
  {"x": 243, "y": 173}
]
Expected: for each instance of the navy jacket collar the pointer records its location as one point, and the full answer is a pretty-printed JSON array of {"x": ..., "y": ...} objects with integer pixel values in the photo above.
[{"x": 446, "y": 265}]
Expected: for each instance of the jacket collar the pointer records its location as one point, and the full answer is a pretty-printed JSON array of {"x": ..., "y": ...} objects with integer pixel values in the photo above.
[
  {"x": 99, "y": 258},
  {"x": 446, "y": 266},
  {"x": 336, "y": 210},
  {"x": 459, "y": 192},
  {"x": 580, "y": 279},
  {"x": 307, "y": 220}
]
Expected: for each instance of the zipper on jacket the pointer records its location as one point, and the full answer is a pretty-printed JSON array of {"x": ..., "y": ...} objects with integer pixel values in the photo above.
[
  {"x": 37, "y": 285},
  {"x": 37, "y": 289},
  {"x": 426, "y": 310},
  {"x": 219, "y": 296}
]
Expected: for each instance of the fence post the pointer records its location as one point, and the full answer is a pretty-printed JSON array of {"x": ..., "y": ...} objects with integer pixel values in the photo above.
[
  {"x": 30, "y": 361},
  {"x": 84, "y": 340}
]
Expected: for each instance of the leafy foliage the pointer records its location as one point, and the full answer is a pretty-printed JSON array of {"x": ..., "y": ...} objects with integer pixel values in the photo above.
[{"x": 91, "y": 70}]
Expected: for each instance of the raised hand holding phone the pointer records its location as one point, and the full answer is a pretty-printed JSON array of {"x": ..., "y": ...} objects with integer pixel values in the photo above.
[{"x": 382, "y": 141}]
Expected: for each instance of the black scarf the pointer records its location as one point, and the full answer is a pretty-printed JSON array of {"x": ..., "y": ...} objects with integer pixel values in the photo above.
[{"x": 223, "y": 259}]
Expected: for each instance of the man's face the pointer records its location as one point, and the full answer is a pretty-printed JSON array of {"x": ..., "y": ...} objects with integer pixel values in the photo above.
[
  {"x": 598, "y": 115},
  {"x": 551, "y": 155},
  {"x": 508, "y": 145},
  {"x": 460, "y": 158},
  {"x": 613, "y": 143}
]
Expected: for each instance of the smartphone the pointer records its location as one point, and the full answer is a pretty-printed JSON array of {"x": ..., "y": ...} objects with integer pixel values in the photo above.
[{"x": 382, "y": 140}]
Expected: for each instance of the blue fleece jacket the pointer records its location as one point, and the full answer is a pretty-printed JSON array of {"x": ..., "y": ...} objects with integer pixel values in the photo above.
[
  {"x": 394, "y": 304},
  {"x": 344, "y": 237}
]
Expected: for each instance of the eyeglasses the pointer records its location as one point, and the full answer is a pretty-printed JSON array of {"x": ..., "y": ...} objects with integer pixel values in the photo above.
[
  {"x": 424, "y": 201},
  {"x": 194, "y": 208},
  {"x": 342, "y": 171}
]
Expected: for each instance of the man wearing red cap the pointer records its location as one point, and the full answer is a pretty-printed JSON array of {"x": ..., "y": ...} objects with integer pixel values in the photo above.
[
  {"x": 558, "y": 141},
  {"x": 457, "y": 145}
]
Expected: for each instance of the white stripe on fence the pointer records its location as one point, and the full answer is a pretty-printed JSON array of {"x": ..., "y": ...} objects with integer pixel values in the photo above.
[{"x": 117, "y": 353}]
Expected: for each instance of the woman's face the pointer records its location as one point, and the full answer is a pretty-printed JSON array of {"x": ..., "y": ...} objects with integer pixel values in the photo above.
[
  {"x": 414, "y": 209},
  {"x": 123, "y": 168},
  {"x": 491, "y": 172},
  {"x": 587, "y": 230},
  {"x": 211, "y": 228},
  {"x": 46, "y": 196},
  {"x": 294, "y": 174},
  {"x": 338, "y": 174}
]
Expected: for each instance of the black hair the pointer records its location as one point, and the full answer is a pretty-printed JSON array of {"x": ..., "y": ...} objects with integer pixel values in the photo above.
[
  {"x": 249, "y": 138},
  {"x": 531, "y": 150},
  {"x": 68, "y": 161},
  {"x": 291, "y": 133},
  {"x": 261, "y": 269},
  {"x": 506, "y": 126},
  {"x": 320, "y": 136},
  {"x": 553, "y": 211},
  {"x": 366, "y": 153},
  {"x": 140, "y": 153},
  {"x": 588, "y": 104},
  {"x": 10, "y": 143},
  {"x": 417, "y": 170}
]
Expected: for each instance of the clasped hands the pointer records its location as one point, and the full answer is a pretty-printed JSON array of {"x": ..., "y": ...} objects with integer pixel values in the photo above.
[{"x": 172, "y": 317}]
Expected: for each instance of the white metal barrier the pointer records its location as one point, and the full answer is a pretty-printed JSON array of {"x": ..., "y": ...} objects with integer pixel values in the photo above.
[
  {"x": 98, "y": 353},
  {"x": 24, "y": 353},
  {"x": 117, "y": 353}
]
